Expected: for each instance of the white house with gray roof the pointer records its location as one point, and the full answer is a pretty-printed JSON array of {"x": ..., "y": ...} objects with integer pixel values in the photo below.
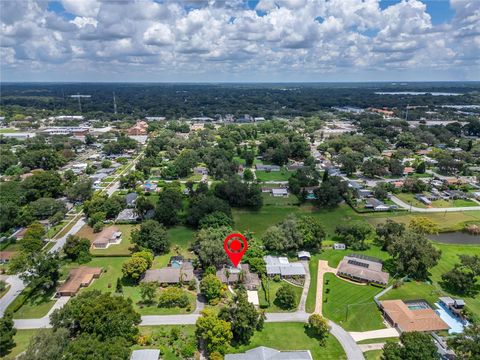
[
  {"x": 266, "y": 353},
  {"x": 281, "y": 266}
]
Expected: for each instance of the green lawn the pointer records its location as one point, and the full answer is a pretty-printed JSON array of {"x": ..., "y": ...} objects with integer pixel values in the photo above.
[
  {"x": 7, "y": 286},
  {"x": 259, "y": 221},
  {"x": 293, "y": 336},
  {"x": 122, "y": 249},
  {"x": 333, "y": 257},
  {"x": 36, "y": 306},
  {"x": 22, "y": 339},
  {"x": 55, "y": 229},
  {"x": 351, "y": 305},
  {"x": 373, "y": 354},
  {"x": 269, "y": 200},
  {"x": 112, "y": 270},
  {"x": 133, "y": 292},
  {"x": 180, "y": 238},
  {"x": 378, "y": 340},
  {"x": 273, "y": 288},
  {"x": 281, "y": 175}
]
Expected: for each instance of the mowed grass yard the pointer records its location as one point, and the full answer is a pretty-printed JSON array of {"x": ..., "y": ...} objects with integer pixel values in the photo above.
[
  {"x": 36, "y": 306},
  {"x": 293, "y": 336},
  {"x": 350, "y": 305},
  {"x": 22, "y": 339},
  {"x": 180, "y": 238},
  {"x": 266, "y": 176},
  {"x": 273, "y": 288},
  {"x": 333, "y": 257},
  {"x": 122, "y": 249}
]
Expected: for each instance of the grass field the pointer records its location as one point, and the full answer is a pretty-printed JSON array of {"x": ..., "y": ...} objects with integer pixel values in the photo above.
[
  {"x": 293, "y": 336},
  {"x": 22, "y": 339},
  {"x": 373, "y": 354},
  {"x": 269, "y": 200},
  {"x": 351, "y": 305},
  {"x": 122, "y": 249},
  {"x": 36, "y": 306},
  {"x": 273, "y": 288},
  {"x": 266, "y": 176},
  {"x": 180, "y": 238}
]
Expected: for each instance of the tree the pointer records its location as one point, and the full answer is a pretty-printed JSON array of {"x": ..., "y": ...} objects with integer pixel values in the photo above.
[
  {"x": 143, "y": 205},
  {"x": 173, "y": 297},
  {"x": 103, "y": 315},
  {"x": 202, "y": 205},
  {"x": 134, "y": 268},
  {"x": 421, "y": 167},
  {"x": 423, "y": 225},
  {"x": 7, "y": 332},
  {"x": 285, "y": 297},
  {"x": 211, "y": 287},
  {"x": 239, "y": 194},
  {"x": 47, "y": 344},
  {"x": 213, "y": 332},
  {"x": 396, "y": 167},
  {"x": 77, "y": 249},
  {"x": 413, "y": 255},
  {"x": 32, "y": 240},
  {"x": 168, "y": 205},
  {"x": 462, "y": 279},
  {"x": 312, "y": 231},
  {"x": 467, "y": 344},
  {"x": 380, "y": 191},
  {"x": 319, "y": 327},
  {"x": 414, "y": 346},
  {"x": 148, "y": 292},
  {"x": 354, "y": 235},
  {"x": 81, "y": 190},
  {"x": 374, "y": 167},
  {"x": 248, "y": 175},
  {"x": 388, "y": 232},
  {"x": 209, "y": 246},
  {"x": 43, "y": 184},
  {"x": 215, "y": 220},
  {"x": 330, "y": 193},
  {"x": 146, "y": 255},
  {"x": 152, "y": 235},
  {"x": 87, "y": 347},
  {"x": 41, "y": 271},
  {"x": 243, "y": 317},
  {"x": 45, "y": 208}
]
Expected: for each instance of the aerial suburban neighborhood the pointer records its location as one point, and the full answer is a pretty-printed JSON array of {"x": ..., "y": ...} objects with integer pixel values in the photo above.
[{"x": 159, "y": 201}]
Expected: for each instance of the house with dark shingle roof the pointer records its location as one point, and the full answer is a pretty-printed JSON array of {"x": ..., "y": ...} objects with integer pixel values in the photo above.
[{"x": 266, "y": 353}]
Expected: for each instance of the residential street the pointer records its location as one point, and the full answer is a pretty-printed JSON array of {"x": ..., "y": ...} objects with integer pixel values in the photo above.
[
  {"x": 406, "y": 206},
  {"x": 16, "y": 287}
]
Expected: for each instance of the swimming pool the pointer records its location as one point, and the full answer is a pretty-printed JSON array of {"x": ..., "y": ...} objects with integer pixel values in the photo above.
[
  {"x": 417, "y": 305},
  {"x": 455, "y": 323}
]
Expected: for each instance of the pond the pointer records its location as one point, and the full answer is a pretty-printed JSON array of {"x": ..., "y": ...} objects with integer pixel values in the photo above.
[{"x": 457, "y": 237}]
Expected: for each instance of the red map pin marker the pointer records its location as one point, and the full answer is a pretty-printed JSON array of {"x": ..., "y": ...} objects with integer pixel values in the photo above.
[{"x": 235, "y": 246}]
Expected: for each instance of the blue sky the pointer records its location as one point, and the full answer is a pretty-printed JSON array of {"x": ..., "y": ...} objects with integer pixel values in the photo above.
[{"x": 261, "y": 40}]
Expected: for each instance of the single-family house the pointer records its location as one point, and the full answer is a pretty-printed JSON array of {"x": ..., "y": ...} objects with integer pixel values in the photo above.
[
  {"x": 145, "y": 354},
  {"x": 240, "y": 274},
  {"x": 422, "y": 198},
  {"x": 412, "y": 316},
  {"x": 339, "y": 246},
  {"x": 408, "y": 170},
  {"x": 201, "y": 170},
  {"x": 6, "y": 256},
  {"x": 170, "y": 275},
  {"x": 108, "y": 236},
  {"x": 363, "y": 269},
  {"x": 279, "y": 192},
  {"x": 265, "y": 353},
  {"x": 131, "y": 199},
  {"x": 281, "y": 266},
  {"x": 267, "y": 168},
  {"x": 150, "y": 187},
  {"x": 375, "y": 204},
  {"x": 127, "y": 215},
  {"x": 79, "y": 277},
  {"x": 364, "y": 193}
]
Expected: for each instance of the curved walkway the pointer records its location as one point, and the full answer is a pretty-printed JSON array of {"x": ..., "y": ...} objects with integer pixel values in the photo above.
[{"x": 406, "y": 206}]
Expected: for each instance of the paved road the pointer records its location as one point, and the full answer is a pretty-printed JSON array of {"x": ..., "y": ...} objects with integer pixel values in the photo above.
[
  {"x": 73, "y": 230},
  {"x": 432, "y": 210},
  {"x": 16, "y": 287},
  {"x": 306, "y": 286}
]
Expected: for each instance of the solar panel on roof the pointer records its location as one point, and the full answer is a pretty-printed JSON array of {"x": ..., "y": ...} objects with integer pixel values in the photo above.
[{"x": 358, "y": 263}]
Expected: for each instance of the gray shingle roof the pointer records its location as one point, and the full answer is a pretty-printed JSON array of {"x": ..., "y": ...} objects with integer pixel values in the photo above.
[{"x": 265, "y": 353}]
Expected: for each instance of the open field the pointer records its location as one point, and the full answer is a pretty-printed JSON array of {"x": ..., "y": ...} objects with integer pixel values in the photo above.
[
  {"x": 293, "y": 336},
  {"x": 351, "y": 305},
  {"x": 269, "y": 200},
  {"x": 273, "y": 288},
  {"x": 266, "y": 176}
]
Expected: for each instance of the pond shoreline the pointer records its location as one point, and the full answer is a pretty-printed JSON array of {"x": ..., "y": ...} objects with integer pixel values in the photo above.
[{"x": 456, "y": 238}]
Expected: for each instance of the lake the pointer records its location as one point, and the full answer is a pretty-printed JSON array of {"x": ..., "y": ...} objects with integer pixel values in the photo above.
[{"x": 456, "y": 238}]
